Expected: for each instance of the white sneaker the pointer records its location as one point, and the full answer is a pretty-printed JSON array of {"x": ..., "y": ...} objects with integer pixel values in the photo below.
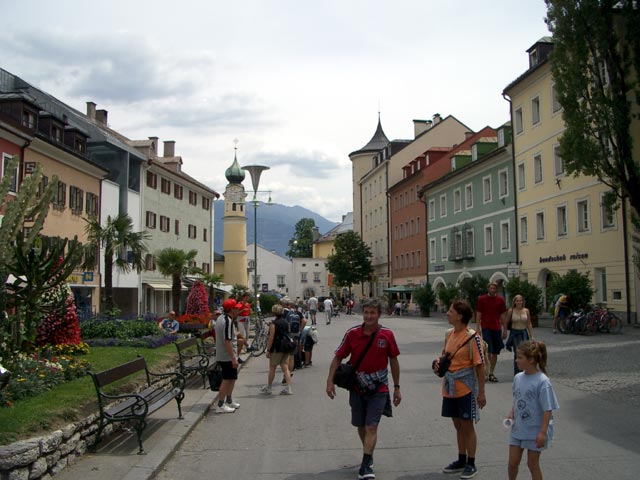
[
  {"x": 286, "y": 391},
  {"x": 234, "y": 405},
  {"x": 266, "y": 390},
  {"x": 225, "y": 409}
]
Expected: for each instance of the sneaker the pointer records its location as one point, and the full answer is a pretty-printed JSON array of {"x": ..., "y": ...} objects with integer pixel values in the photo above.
[
  {"x": 240, "y": 361},
  {"x": 225, "y": 409},
  {"x": 234, "y": 405},
  {"x": 266, "y": 390},
  {"x": 469, "y": 472},
  {"x": 555, "y": 331},
  {"x": 366, "y": 471},
  {"x": 286, "y": 391},
  {"x": 454, "y": 467}
]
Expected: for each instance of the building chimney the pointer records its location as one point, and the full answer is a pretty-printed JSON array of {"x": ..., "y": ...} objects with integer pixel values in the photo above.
[
  {"x": 154, "y": 146},
  {"x": 91, "y": 111},
  {"x": 421, "y": 126},
  {"x": 102, "y": 116},
  {"x": 468, "y": 135},
  {"x": 315, "y": 231},
  {"x": 436, "y": 118},
  {"x": 169, "y": 148}
]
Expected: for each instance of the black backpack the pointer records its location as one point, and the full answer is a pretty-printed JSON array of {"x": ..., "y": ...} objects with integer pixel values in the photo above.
[{"x": 294, "y": 320}]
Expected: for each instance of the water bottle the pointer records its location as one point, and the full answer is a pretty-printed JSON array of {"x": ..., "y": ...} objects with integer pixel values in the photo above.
[{"x": 507, "y": 423}]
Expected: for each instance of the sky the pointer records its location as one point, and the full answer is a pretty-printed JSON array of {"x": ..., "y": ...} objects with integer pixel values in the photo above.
[{"x": 297, "y": 85}]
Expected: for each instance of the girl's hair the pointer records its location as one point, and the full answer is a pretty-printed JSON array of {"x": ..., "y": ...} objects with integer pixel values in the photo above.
[
  {"x": 513, "y": 303},
  {"x": 536, "y": 351},
  {"x": 463, "y": 309},
  {"x": 277, "y": 310}
]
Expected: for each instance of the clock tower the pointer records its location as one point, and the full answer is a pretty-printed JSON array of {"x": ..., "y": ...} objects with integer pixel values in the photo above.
[{"x": 235, "y": 227}]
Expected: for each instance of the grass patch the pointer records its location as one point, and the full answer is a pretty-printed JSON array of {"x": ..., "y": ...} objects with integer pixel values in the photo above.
[{"x": 74, "y": 400}]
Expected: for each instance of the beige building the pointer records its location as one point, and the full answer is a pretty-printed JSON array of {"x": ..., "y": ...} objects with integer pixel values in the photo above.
[
  {"x": 379, "y": 165},
  {"x": 562, "y": 221}
]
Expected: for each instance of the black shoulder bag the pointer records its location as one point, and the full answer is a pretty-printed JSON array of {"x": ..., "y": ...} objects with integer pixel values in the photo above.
[
  {"x": 345, "y": 375},
  {"x": 444, "y": 362}
]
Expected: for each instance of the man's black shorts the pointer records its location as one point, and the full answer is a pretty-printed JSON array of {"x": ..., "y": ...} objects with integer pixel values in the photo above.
[{"x": 228, "y": 372}]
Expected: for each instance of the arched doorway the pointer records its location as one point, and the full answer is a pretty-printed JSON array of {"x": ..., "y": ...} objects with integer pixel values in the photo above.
[{"x": 544, "y": 278}]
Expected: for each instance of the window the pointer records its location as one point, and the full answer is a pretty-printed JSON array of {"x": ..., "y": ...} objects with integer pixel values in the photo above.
[
  {"x": 151, "y": 220},
  {"x": 193, "y": 231},
  {"x": 503, "y": 184},
  {"x": 280, "y": 281},
  {"x": 206, "y": 203},
  {"x": 474, "y": 152},
  {"x": 177, "y": 227},
  {"x": 486, "y": 189},
  {"x": 607, "y": 213},
  {"x": 457, "y": 245},
  {"x": 204, "y": 234},
  {"x": 419, "y": 259},
  {"x": 469, "y": 249},
  {"x": 502, "y": 140},
  {"x": 164, "y": 223},
  {"x": 206, "y": 268},
  {"x": 518, "y": 120},
  {"x": 43, "y": 184},
  {"x": 584, "y": 225},
  {"x": 28, "y": 119},
  {"x": 316, "y": 277},
  {"x": 540, "y": 226},
  {"x": 555, "y": 104},
  {"x": 13, "y": 186},
  {"x": 444, "y": 247},
  {"x": 303, "y": 277},
  {"x": 432, "y": 250},
  {"x": 193, "y": 198},
  {"x": 505, "y": 236},
  {"x": 524, "y": 230},
  {"x": 92, "y": 206},
  {"x": 468, "y": 196},
  {"x": 522, "y": 183},
  {"x": 488, "y": 239},
  {"x": 165, "y": 186},
  {"x": 76, "y": 200},
  {"x": 558, "y": 162},
  {"x": 537, "y": 168},
  {"x": 457, "y": 201},
  {"x": 443, "y": 205},
  {"x": 149, "y": 262},
  {"x": 561, "y": 218},
  {"x": 59, "y": 199},
  {"x": 79, "y": 145},
  {"x": 535, "y": 111},
  {"x": 152, "y": 180},
  {"x": 56, "y": 133},
  {"x": 417, "y": 225},
  {"x": 177, "y": 191}
]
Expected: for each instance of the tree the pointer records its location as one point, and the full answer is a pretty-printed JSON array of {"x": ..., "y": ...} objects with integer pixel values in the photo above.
[
  {"x": 425, "y": 298},
  {"x": 122, "y": 248},
  {"x": 212, "y": 280},
  {"x": 351, "y": 262},
  {"x": 301, "y": 244},
  {"x": 447, "y": 294},
  {"x": 595, "y": 65},
  {"x": 576, "y": 285},
  {"x": 174, "y": 263},
  {"x": 532, "y": 295},
  {"x": 472, "y": 287}
]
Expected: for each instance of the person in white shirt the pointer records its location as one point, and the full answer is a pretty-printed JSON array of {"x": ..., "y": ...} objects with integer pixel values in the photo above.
[
  {"x": 328, "y": 307},
  {"x": 312, "y": 306}
]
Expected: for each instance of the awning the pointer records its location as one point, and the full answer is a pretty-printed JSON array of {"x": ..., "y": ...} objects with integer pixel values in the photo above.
[
  {"x": 401, "y": 289},
  {"x": 159, "y": 286}
]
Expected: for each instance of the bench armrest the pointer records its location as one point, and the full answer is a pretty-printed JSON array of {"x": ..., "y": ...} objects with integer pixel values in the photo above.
[{"x": 203, "y": 360}]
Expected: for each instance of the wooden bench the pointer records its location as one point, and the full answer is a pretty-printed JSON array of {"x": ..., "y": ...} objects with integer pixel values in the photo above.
[
  {"x": 135, "y": 407},
  {"x": 208, "y": 348},
  {"x": 190, "y": 358}
]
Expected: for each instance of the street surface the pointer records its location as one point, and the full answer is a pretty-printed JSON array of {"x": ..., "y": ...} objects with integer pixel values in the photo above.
[{"x": 307, "y": 435}]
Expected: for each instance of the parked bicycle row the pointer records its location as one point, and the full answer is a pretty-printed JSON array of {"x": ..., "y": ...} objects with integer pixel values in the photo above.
[{"x": 593, "y": 319}]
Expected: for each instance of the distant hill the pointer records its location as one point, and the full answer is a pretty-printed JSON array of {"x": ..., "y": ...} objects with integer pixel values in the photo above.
[{"x": 276, "y": 225}]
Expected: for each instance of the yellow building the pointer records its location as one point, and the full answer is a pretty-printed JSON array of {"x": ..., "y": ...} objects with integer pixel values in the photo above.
[
  {"x": 235, "y": 227},
  {"x": 562, "y": 221}
]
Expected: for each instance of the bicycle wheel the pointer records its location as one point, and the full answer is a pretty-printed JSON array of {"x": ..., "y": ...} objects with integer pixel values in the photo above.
[
  {"x": 614, "y": 323},
  {"x": 261, "y": 343},
  {"x": 603, "y": 326}
]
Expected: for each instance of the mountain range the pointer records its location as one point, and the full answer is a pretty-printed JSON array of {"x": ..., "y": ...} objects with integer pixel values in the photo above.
[{"x": 276, "y": 225}]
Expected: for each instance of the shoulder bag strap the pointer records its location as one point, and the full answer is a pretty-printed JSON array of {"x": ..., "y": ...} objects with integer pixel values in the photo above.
[
  {"x": 355, "y": 367},
  {"x": 464, "y": 343}
]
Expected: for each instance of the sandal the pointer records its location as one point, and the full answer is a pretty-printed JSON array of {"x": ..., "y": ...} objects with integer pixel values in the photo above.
[{"x": 492, "y": 378}]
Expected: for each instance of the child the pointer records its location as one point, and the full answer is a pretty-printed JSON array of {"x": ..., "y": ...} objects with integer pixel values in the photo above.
[{"x": 533, "y": 403}]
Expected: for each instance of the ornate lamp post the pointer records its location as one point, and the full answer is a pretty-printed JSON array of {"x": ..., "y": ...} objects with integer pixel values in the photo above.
[{"x": 255, "y": 171}]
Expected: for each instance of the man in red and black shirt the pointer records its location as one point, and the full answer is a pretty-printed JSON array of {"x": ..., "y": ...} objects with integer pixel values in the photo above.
[
  {"x": 370, "y": 396},
  {"x": 489, "y": 311}
]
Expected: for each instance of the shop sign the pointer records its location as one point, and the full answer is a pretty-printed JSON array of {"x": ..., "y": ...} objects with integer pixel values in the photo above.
[{"x": 563, "y": 257}]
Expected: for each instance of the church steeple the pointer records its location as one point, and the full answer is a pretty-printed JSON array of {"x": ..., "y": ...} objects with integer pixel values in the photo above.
[
  {"x": 377, "y": 142},
  {"x": 234, "y": 173}
]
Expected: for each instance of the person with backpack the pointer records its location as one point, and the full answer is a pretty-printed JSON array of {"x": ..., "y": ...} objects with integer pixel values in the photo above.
[
  {"x": 463, "y": 386},
  {"x": 296, "y": 322},
  {"x": 278, "y": 351}
]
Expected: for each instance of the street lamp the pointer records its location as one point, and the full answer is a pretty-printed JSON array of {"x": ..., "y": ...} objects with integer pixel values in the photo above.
[{"x": 255, "y": 171}]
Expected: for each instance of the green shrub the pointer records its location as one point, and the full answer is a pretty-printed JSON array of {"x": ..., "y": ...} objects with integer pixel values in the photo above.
[
  {"x": 471, "y": 288},
  {"x": 425, "y": 298},
  {"x": 447, "y": 294},
  {"x": 577, "y": 285},
  {"x": 99, "y": 328},
  {"x": 532, "y": 294},
  {"x": 267, "y": 301}
]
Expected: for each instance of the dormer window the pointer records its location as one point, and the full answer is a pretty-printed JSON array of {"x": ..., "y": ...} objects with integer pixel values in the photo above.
[
  {"x": 29, "y": 119},
  {"x": 474, "y": 152},
  {"x": 79, "y": 145},
  {"x": 501, "y": 138},
  {"x": 533, "y": 58},
  {"x": 56, "y": 134}
]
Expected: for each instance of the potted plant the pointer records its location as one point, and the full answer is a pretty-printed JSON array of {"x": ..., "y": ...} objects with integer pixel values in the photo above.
[{"x": 425, "y": 298}]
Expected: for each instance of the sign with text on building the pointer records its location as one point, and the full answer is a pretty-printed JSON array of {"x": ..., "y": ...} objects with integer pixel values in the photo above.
[
  {"x": 265, "y": 287},
  {"x": 87, "y": 276},
  {"x": 513, "y": 270}
]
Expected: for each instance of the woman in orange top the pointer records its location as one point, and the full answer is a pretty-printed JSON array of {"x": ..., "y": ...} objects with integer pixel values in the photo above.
[{"x": 463, "y": 386}]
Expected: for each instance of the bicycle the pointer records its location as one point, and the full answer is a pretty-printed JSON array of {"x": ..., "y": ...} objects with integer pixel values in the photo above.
[{"x": 260, "y": 336}]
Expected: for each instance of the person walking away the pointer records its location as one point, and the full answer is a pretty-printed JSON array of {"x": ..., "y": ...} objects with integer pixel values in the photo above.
[
  {"x": 308, "y": 338},
  {"x": 370, "y": 395},
  {"x": 350, "y": 306},
  {"x": 277, "y": 329},
  {"x": 534, "y": 401},
  {"x": 312, "y": 306},
  {"x": 170, "y": 325},
  {"x": 243, "y": 319},
  {"x": 296, "y": 323},
  {"x": 489, "y": 311},
  {"x": 561, "y": 310},
  {"x": 521, "y": 328},
  {"x": 227, "y": 355},
  {"x": 328, "y": 309},
  {"x": 463, "y": 392}
]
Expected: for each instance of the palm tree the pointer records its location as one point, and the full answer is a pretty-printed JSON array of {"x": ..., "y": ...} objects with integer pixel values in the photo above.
[
  {"x": 174, "y": 263},
  {"x": 212, "y": 280},
  {"x": 123, "y": 248}
]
